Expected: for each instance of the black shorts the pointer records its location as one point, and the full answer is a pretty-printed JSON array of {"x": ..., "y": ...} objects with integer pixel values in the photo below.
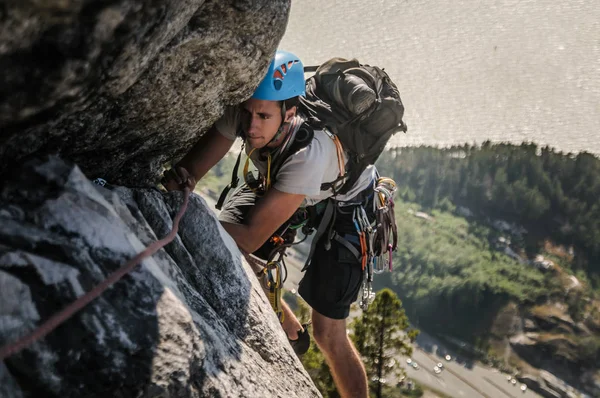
[
  {"x": 334, "y": 278},
  {"x": 332, "y": 281}
]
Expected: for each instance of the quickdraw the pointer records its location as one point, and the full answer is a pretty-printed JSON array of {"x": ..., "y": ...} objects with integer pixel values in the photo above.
[
  {"x": 272, "y": 277},
  {"x": 365, "y": 233},
  {"x": 274, "y": 273},
  {"x": 377, "y": 239},
  {"x": 386, "y": 235}
]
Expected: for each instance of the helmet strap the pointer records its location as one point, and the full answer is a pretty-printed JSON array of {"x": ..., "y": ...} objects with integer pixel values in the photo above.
[
  {"x": 288, "y": 128},
  {"x": 282, "y": 126},
  {"x": 283, "y": 111}
]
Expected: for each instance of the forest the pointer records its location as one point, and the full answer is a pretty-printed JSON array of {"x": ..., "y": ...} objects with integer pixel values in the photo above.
[{"x": 551, "y": 194}]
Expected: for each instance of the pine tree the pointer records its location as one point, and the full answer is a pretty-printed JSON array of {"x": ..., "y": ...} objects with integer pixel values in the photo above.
[{"x": 381, "y": 335}]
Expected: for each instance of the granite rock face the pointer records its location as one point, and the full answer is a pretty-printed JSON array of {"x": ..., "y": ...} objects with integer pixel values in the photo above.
[
  {"x": 191, "y": 321},
  {"x": 121, "y": 87}
]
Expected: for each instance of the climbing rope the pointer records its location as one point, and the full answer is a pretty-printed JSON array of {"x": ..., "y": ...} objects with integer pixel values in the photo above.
[{"x": 60, "y": 317}]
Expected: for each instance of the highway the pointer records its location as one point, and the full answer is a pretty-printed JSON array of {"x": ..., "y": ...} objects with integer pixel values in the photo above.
[{"x": 459, "y": 379}]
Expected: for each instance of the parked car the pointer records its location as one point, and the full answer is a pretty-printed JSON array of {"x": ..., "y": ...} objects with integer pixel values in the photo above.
[{"x": 523, "y": 387}]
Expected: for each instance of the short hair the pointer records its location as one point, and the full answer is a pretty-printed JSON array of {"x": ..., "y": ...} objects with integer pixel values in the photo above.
[{"x": 290, "y": 102}]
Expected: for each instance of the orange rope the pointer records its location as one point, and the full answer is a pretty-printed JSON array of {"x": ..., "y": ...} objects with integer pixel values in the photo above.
[
  {"x": 363, "y": 249},
  {"x": 340, "y": 155},
  {"x": 57, "y": 319}
]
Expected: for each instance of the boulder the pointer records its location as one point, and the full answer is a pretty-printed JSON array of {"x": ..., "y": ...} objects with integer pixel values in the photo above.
[
  {"x": 190, "y": 321},
  {"x": 121, "y": 87}
]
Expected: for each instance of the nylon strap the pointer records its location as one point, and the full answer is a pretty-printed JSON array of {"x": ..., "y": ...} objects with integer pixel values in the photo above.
[
  {"x": 347, "y": 245},
  {"x": 340, "y": 156},
  {"x": 234, "y": 181},
  {"x": 394, "y": 226},
  {"x": 327, "y": 216}
]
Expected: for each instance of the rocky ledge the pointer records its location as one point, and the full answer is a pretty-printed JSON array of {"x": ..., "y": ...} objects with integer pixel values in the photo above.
[{"x": 191, "y": 321}]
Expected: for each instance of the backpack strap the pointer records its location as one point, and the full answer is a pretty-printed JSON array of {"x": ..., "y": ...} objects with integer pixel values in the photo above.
[
  {"x": 302, "y": 138},
  {"x": 326, "y": 186}
]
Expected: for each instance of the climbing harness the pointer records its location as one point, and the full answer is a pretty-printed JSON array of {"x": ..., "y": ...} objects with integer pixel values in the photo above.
[{"x": 59, "y": 318}]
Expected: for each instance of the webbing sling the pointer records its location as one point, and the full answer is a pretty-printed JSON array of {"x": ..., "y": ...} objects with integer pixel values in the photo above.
[{"x": 328, "y": 220}]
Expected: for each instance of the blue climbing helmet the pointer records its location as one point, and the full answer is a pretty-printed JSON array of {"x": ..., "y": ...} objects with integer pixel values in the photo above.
[{"x": 284, "y": 79}]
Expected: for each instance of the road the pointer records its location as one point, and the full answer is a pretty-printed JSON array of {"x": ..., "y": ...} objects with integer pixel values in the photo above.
[{"x": 459, "y": 379}]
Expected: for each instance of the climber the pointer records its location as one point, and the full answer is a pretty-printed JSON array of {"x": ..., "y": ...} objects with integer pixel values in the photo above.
[{"x": 294, "y": 161}]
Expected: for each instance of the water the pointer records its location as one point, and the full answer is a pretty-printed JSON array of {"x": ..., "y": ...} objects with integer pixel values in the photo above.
[{"x": 469, "y": 71}]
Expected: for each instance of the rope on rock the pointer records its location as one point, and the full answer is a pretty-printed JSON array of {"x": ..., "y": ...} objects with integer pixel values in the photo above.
[{"x": 60, "y": 317}]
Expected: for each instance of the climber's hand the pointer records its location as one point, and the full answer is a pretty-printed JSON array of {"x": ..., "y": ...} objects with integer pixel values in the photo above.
[{"x": 178, "y": 178}]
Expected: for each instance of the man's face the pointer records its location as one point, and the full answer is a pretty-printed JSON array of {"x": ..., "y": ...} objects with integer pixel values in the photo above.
[{"x": 260, "y": 121}]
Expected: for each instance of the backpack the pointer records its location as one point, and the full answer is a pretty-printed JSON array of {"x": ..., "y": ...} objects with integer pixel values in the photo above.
[{"x": 360, "y": 105}]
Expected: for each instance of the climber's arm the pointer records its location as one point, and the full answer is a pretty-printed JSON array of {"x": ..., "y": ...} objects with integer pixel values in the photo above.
[
  {"x": 211, "y": 148},
  {"x": 274, "y": 209}
]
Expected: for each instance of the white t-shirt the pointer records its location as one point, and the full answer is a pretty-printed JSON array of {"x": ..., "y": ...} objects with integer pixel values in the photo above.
[{"x": 304, "y": 171}]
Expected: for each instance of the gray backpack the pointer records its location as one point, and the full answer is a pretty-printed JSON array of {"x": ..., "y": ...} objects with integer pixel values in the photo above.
[{"x": 358, "y": 103}]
